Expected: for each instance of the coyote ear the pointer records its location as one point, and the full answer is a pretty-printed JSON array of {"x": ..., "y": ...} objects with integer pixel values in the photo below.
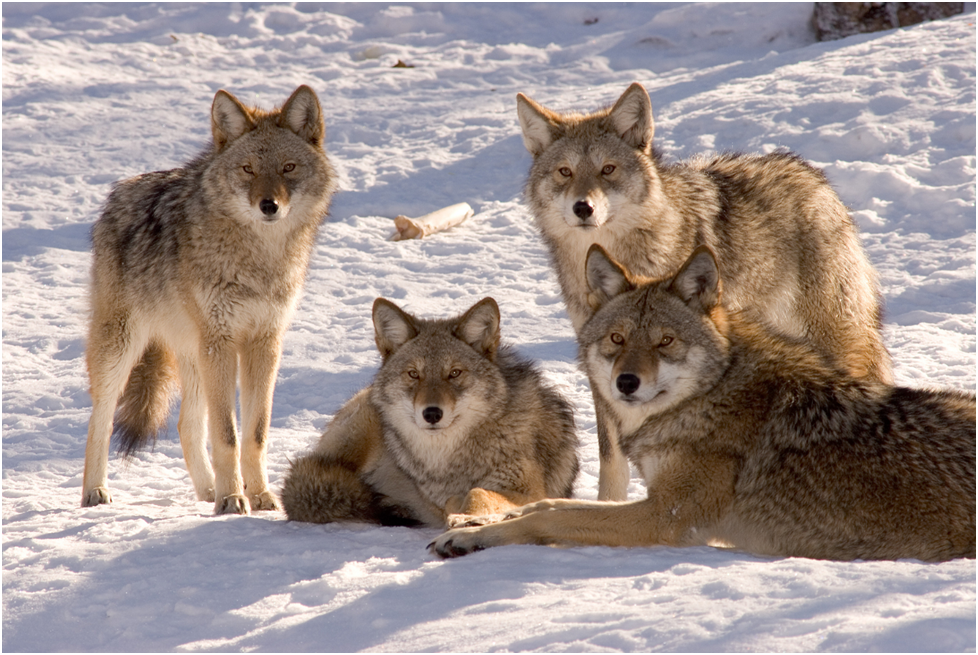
[
  {"x": 393, "y": 327},
  {"x": 699, "y": 280},
  {"x": 605, "y": 277},
  {"x": 229, "y": 118},
  {"x": 479, "y": 327},
  {"x": 538, "y": 124},
  {"x": 632, "y": 118},
  {"x": 302, "y": 114}
]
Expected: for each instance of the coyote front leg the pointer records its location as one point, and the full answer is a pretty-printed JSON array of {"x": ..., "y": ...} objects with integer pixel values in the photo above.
[
  {"x": 259, "y": 366},
  {"x": 219, "y": 376},
  {"x": 192, "y": 426},
  {"x": 614, "y": 471},
  {"x": 696, "y": 491}
]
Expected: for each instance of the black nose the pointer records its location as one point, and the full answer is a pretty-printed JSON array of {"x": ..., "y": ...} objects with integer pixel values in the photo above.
[
  {"x": 583, "y": 209},
  {"x": 432, "y": 414},
  {"x": 628, "y": 383},
  {"x": 268, "y": 206}
]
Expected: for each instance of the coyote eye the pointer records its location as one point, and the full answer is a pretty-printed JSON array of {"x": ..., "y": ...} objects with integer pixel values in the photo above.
[
  {"x": 414, "y": 375},
  {"x": 608, "y": 169},
  {"x": 248, "y": 169},
  {"x": 566, "y": 172},
  {"x": 617, "y": 338},
  {"x": 455, "y": 372},
  {"x": 288, "y": 168},
  {"x": 665, "y": 341}
]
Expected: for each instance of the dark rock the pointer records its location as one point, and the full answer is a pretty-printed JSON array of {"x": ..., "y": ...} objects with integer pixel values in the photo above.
[{"x": 835, "y": 20}]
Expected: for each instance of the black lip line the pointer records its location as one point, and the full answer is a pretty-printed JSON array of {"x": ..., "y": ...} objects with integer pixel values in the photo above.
[
  {"x": 637, "y": 401},
  {"x": 437, "y": 428}
]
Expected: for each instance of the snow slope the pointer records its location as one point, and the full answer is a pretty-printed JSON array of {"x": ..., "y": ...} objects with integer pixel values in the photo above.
[{"x": 94, "y": 93}]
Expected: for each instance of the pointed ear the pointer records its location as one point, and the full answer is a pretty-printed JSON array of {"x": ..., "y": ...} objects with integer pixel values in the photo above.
[
  {"x": 605, "y": 277},
  {"x": 479, "y": 327},
  {"x": 699, "y": 280},
  {"x": 229, "y": 119},
  {"x": 539, "y": 124},
  {"x": 302, "y": 114},
  {"x": 393, "y": 327},
  {"x": 632, "y": 118}
]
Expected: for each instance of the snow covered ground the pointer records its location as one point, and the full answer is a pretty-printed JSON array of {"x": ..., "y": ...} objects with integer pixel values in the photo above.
[{"x": 94, "y": 93}]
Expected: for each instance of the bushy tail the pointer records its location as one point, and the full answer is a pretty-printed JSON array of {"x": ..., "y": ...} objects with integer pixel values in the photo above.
[
  {"x": 320, "y": 489},
  {"x": 145, "y": 404}
]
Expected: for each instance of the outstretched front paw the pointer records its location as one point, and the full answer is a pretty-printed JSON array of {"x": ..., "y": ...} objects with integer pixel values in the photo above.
[{"x": 456, "y": 543}]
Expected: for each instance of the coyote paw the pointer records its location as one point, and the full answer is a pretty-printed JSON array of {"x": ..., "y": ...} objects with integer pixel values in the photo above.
[
  {"x": 206, "y": 495},
  {"x": 233, "y": 504},
  {"x": 266, "y": 500},
  {"x": 469, "y": 520},
  {"x": 96, "y": 496},
  {"x": 456, "y": 543}
]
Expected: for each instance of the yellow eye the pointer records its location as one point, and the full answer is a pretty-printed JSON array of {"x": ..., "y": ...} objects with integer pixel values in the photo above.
[
  {"x": 288, "y": 168},
  {"x": 617, "y": 338},
  {"x": 249, "y": 170},
  {"x": 413, "y": 375},
  {"x": 566, "y": 172},
  {"x": 665, "y": 341},
  {"x": 608, "y": 169},
  {"x": 455, "y": 372}
]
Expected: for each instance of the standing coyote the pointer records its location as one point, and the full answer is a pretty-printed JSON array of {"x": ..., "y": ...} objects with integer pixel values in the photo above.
[
  {"x": 752, "y": 440},
  {"x": 788, "y": 251},
  {"x": 453, "y": 425},
  {"x": 196, "y": 273}
]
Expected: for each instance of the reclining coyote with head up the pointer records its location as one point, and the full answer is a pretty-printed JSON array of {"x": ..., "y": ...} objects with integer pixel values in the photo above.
[
  {"x": 751, "y": 440},
  {"x": 453, "y": 425}
]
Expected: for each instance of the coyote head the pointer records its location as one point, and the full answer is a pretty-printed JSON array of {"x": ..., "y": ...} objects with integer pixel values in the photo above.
[
  {"x": 588, "y": 169},
  {"x": 653, "y": 344}
]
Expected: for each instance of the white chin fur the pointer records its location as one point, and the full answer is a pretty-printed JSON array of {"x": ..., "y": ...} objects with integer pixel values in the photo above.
[
  {"x": 670, "y": 386},
  {"x": 436, "y": 447}
]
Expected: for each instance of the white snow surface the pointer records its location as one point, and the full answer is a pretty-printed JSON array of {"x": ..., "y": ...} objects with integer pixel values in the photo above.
[{"x": 93, "y": 93}]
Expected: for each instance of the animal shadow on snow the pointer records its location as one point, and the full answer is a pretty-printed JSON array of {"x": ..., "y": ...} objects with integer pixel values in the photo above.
[{"x": 210, "y": 568}]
